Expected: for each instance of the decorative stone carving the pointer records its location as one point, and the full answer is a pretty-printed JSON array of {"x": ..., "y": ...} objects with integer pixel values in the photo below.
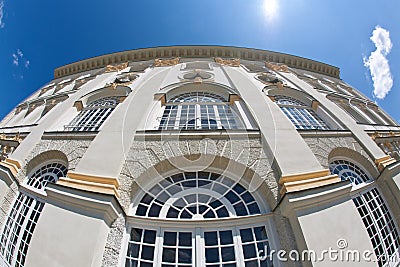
[
  {"x": 234, "y": 62},
  {"x": 123, "y": 80},
  {"x": 196, "y": 76},
  {"x": 112, "y": 68},
  {"x": 267, "y": 77},
  {"x": 158, "y": 62},
  {"x": 276, "y": 67},
  {"x": 16, "y": 137}
]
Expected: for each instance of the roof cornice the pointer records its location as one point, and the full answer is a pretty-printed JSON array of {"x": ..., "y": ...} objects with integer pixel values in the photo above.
[{"x": 196, "y": 51}]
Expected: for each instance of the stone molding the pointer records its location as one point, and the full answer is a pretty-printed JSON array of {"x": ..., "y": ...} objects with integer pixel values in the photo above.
[
  {"x": 91, "y": 204},
  {"x": 304, "y": 181},
  {"x": 196, "y": 52},
  {"x": 99, "y": 184}
]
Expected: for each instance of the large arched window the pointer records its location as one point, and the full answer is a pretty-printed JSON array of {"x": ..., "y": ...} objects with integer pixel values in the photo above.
[
  {"x": 24, "y": 215},
  {"x": 373, "y": 210},
  {"x": 182, "y": 218},
  {"x": 301, "y": 115},
  {"x": 199, "y": 110},
  {"x": 91, "y": 117}
]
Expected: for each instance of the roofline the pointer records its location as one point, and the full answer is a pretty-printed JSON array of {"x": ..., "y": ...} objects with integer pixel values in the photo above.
[{"x": 196, "y": 51}]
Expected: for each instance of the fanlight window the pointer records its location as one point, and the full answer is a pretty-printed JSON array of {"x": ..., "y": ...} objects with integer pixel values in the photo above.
[
  {"x": 91, "y": 117},
  {"x": 347, "y": 170},
  {"x": 200, "y": 195},
  {"x": 50, "y": 173},
  {"x": 301, "y": 115},
  {"x": 374, "y": 213},
  {"x": 24, "y": 215},
  {"x": 199, "y": 110}
]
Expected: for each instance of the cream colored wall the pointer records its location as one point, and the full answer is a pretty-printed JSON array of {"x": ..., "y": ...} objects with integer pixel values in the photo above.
[
  {"x": 65, "y": 238},
  {"x": 323, "y": 228}
]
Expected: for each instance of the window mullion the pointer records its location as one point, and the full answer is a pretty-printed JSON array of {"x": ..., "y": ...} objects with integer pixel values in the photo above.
[
  {"x": 178, "y": 117},
  {"x": 198, "y": 116},
  {"x": 199, "y": 248},
  {"x": 217, "y": 117},
  {"x": 158, "y": 247}
]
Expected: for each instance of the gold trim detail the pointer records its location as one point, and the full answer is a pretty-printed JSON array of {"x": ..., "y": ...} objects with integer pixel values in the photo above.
[
  {"x": 162, "y": 97},
  {"x": 232, "y": 98},
  {"x": 380, "y": 160},
  {"x": 13, "y": 165},
  {"x": 383, "y": 162},
  {"x": 88, "y": 186},
  {"x": 112, "y": 68},
  {"x": 314, "y": 105},
  {"x": 303, "y": 176},
  {"x": 94, "y": 179},
  {"x": 106, "y": 185},
  {"x": 17, "y": 138},
  {"x": 158, "y": 62},
  {"x": 234, "y": 62},
  {"x": 309, "y": 183},
  {"x": 308, "y": 180},
  {"x": 78, "y": 105}
]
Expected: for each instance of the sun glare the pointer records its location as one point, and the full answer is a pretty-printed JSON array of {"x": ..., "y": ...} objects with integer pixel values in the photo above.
[{"x": 270, "y": 8}]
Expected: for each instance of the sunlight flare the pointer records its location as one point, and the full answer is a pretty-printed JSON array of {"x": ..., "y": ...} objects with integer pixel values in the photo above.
[{"x": 271, "y": 8}]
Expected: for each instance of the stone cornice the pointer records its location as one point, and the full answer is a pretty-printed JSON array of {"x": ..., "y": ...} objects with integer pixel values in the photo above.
[
  {"x": 92, "y": 204},
  {"x": 146, "y": 54}
]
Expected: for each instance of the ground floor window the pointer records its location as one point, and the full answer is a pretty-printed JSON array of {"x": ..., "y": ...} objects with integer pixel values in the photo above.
[
  {"x": 380, "y": 226},
  {"x": 18, "y": 230},
  {"x": 167, "y": 247}
]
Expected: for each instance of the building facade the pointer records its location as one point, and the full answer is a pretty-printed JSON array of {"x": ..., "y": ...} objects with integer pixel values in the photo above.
[{"x": 199, "y": 156}]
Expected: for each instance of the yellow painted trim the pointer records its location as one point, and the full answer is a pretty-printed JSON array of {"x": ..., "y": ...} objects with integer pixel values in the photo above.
[
  {"x": 94, "y": 179},
  {"x": 309, "y": 183},
  {"x": 233, "y": 98},
  {"x": 14, "y": 162},
  {"x": 78, "y": 105},
  {"x": 12, "y": 168},
  {"x": 88, "y": 186},
  {"x": 314, "y": 105},
  {"x": 382, "y": 165},
  {"x": 303, "y": 176},
  {"x": 380, "y": 160}
]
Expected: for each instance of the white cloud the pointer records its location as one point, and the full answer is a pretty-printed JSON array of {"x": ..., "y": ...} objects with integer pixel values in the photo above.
[
  {"x": 15, "y": 59},
  {"x": 19, "y": 52},
  {"x": 1, "y": 14},
  {"x": 378, "y": 64},
  {"x": 18, "y": 57}
]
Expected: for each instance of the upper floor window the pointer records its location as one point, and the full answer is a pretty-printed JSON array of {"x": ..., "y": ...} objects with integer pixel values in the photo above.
[
  {"x": 301, "y": 115},
  {"x": 91, "y": 117},
  {"x": 199, "y": 110}
]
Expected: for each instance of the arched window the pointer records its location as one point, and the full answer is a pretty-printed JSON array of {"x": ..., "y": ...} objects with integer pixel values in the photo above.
[
  {"x": 373, "y": 210},
  {"x": 347, "y": 170},
  {"x": 301, "y": 115},
  {"x": 24, "y": 215},
  {"x": 198, "y": 200},
  {"x": 199, "y": 110},
  {"x": 91, "y": 117}
]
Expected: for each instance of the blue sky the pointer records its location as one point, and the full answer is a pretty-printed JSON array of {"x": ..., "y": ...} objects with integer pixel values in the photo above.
[{"x": 37, "y": 37}]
